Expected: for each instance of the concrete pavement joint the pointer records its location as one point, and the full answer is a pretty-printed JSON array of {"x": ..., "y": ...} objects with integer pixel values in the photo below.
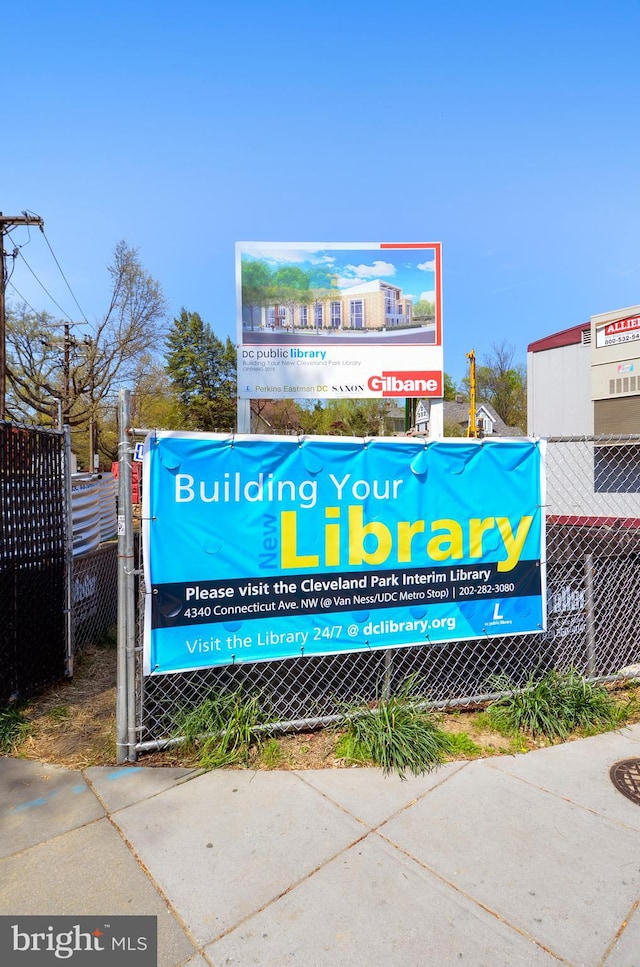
[
  {"x": 393, "y": 815},
  {"x": 474, "y": 900},
  {"x": 170, "y": 907},
  {"x": 567, "y": 799},
  {"x": 621, "y": 929},
  {"x": 292, "y": 886}
]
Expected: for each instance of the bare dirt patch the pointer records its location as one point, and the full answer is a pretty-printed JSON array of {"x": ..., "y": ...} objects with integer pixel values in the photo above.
[{"x": 73, "y": 723}]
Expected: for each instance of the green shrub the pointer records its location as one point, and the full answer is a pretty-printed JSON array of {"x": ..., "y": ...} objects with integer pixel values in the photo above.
[
  {"x": 14, "y": 728},
  {"x": 554, "y": 705},
  {"x": 222, "y": 727},
  {"x": 399, "y": 734}
]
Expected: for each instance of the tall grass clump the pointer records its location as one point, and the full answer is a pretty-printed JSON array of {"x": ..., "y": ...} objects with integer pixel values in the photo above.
[
  {"x": 399, "y": 734},
  {"x": 554, "y": 705},
  {"x": 14, "y": 728},
  {"x": 221, "y": 728}
]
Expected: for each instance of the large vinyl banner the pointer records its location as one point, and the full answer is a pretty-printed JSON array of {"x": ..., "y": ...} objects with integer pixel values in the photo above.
[{"x": 261, "y": 548}]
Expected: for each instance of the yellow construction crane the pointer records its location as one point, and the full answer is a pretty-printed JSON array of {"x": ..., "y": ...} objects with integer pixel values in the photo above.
[{"x": 472, "y": 429}]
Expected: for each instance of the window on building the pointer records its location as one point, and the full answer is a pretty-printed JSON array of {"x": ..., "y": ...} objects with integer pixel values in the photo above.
[
  {"x": 304, "y": 316},
  {"x": 336, "y": 315},
  {"x": 388, "y": 302},
  {"x": 356, "y": 314},
  {"x": 318, "y": 315}
]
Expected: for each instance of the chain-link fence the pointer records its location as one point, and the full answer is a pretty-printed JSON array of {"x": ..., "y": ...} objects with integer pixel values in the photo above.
[
  {"x": 593, "y": 605},
  {"x": 94, "y": 595},
  {"x": 33, "y": 560}
]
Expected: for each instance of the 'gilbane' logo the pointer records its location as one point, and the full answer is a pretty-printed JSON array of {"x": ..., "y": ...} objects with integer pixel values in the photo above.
[
  {"x": 118, "y": 941},
  {"x": 407, "y": 384}
]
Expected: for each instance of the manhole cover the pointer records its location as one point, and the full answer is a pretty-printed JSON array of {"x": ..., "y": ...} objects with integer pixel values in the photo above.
[{"x": 625, "y": 776}]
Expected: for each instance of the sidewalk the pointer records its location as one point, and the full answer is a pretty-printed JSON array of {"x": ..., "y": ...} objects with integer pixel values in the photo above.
[{"x": 505, "y": 861}]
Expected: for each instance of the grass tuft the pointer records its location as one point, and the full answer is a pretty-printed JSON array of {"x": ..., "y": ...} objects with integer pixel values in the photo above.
[
  {"x": 463, "y": 744},
  {"x": 554, "y": 705},
  {"x": 58, "y": 713},
  {"x": 221, "y": 727},
  {"x": 14, "y": 728},
  {"x": 398, "y": 734},
  {"x": 271, "y": 754}
]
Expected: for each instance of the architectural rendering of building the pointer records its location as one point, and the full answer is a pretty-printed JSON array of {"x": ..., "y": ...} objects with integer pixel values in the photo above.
[{"x": 374, "y": 305}]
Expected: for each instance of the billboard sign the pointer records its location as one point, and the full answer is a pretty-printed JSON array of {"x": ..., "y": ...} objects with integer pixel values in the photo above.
[
  {"x": 262, "y": 548},
  {"x": 331, "y": 320},
  {"x": 620, "y": 331}
]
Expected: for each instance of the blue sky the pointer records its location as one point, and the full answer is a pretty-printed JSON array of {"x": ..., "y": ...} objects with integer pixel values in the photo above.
[{"x": 506, "y": 131}]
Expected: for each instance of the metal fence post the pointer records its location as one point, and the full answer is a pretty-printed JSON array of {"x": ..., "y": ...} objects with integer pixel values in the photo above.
[
  {"x": 125, "y": 714},
  {"x": 68, "y": 533},
  {"x": 589, "y": 615}
]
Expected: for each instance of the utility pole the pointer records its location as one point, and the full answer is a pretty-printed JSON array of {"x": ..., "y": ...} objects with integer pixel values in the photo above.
[{"x": 7, "y": 222}]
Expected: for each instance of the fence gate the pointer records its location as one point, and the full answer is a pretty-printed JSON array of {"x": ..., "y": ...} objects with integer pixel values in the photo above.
[{"x": 33, "y": 560}]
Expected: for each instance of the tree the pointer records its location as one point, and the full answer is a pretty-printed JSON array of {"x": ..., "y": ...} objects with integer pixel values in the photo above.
[
  {"x": 276, "y": 416},
  {"x": 352, "y": 417},
  {"x": 423, "y": 310},
  {"x": 47, "y": 362},
  {"x": 449, "y": 388},
  {"x": 202, "y": 370},
  {"x": 503, "y": 384},
  {"x": 290, "y": 288},
  {"x": 153, "y": 401},
  {"x": 312, "y": 418},
  {"x": 153, "y": 405},
  {"x": 256, "y": 279}
]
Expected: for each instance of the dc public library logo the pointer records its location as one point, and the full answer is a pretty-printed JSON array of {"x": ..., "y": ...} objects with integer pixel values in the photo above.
[{"x": 79, "y": 941}]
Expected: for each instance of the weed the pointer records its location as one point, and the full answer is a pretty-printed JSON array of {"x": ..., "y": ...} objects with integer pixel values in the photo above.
[
  {"x": 271, "y": 753},
  {"x": 554, "y": 705},
  {"x": 352, "y": 751},
  {"x": 399, "y": 734},
  {"x": 463, "y": 744},
  {"x": 221, "y": 727},
  {"x": 14, "y": 728},
  {"x": 59, "y": 712}
]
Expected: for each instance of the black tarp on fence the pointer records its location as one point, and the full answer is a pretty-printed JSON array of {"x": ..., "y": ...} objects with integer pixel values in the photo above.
[{"x": 32, "y": 560}]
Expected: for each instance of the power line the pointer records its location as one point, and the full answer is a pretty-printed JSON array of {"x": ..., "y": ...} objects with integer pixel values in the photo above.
[
  {"x": 65, "y": 279},
  {"x": 20, "y": 295},
  {"x": 43, "y": 286},
  {"x": 17, "y": 251}
]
